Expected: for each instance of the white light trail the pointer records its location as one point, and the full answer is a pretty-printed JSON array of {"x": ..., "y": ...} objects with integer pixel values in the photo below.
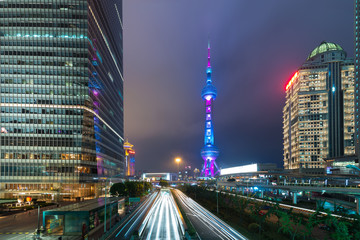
[
  {"x": 162, "y": 221},
  {"x": 218, "y": 227},
  {"x": 138, "y": 215}
]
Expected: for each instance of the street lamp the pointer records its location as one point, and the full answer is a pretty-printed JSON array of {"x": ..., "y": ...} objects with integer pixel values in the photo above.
[
  {"x": 109, "y": 178},
  {"x": 178, "y": 160},
  {"x": 217, "y": 202}
]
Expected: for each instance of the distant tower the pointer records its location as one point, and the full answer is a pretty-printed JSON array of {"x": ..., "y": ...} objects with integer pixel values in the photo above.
[
  {"x": 129, "y": 159},
  {"x": 209, "y": 152}
]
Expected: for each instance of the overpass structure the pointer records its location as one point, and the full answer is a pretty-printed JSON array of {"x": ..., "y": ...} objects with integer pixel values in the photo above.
[{"x": 294, "y": 188}]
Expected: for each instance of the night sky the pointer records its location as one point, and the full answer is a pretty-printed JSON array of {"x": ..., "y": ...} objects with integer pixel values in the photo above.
[{"x": 256, "y": 46}]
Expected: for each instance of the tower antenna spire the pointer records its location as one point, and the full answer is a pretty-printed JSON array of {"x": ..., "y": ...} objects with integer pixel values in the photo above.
[{"x": 209, "y": 66}]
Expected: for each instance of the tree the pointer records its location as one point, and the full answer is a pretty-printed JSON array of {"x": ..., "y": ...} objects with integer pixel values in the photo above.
[
  {"x": 147, "y": 186},
  {"x": 118, "y": 190},
  {"x": 291, "y": 223},
  {"x": 135, "y": 189},
  {"x": 355, "y": 226},
  {"x": 163, "y": 183}
]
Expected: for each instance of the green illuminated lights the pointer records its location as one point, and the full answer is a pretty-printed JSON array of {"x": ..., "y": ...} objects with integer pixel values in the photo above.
[{"x": 325, "y": 47}]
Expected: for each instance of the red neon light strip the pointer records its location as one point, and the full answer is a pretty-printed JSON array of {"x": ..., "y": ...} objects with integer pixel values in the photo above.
[{"x": 292, "y": 80}]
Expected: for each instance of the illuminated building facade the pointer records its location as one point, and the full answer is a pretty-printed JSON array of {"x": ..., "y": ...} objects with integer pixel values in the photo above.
[
  {"x": 61, "y": 96},
  {"x": 209, "y": 152},
  {"x": 318, "y": 117},
  {"x": 357, "y": 75},
  {"x": 129, "y": 159}
]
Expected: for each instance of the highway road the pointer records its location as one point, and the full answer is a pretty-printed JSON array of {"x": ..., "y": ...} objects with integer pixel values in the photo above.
[
  {"x": 207, "y": 225},
  {"x": 125, "y": 230},
  {"x": 163, "y": 220}
]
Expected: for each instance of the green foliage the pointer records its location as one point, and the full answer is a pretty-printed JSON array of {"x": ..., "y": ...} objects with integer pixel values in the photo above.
[
  {"x": 118, "y": 190},
  {"x": 253, "y": 227},
  {"x": 130, "y": 189},
  {"x": 163, "y": 183}
]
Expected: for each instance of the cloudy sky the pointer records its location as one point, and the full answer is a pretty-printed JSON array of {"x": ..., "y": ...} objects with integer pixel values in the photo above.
[{"x": 256, "y": 46}]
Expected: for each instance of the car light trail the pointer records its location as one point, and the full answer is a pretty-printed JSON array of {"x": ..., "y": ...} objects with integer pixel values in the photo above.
[
  {"x": 163, "y": 220},
  {"x": 136, "y": 217},
  {"x": 216, "y": 225}
]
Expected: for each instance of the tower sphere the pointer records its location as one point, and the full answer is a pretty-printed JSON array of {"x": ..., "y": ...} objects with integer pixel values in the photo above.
[
  {"x": 209, "y": 152},
  {"x": 208, "y": 92}
]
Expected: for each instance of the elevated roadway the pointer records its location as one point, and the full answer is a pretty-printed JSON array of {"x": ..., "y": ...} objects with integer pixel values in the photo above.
[
  {"x": 295, "y": 188},
  {"x": 292, "y": 187}
]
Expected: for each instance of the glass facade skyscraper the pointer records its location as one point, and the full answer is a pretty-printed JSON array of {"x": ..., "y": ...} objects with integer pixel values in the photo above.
[
  {"x": 318, "y": 116},
  {"x": 357, "y": 74},
  {"x": 61, "y": 83}
]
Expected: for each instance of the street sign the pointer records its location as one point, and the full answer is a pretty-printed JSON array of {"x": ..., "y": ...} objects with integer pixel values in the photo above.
[{"x": 134, "y": 199}]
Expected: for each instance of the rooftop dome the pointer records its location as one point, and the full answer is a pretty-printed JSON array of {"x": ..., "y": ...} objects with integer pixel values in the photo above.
[{"x": 325, "y": 47}]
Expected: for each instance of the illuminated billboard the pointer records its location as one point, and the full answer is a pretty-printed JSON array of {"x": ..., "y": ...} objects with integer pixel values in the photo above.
[
  {"x": 240, "y": 169},
  {"x": 156, "y": 176}
]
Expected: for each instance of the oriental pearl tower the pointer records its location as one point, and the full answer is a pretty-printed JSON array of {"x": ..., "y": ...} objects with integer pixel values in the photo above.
[{"x": 209, "y": 152}]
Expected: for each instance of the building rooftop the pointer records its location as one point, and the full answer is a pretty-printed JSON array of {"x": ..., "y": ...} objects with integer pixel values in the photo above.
[
  {"x": 325, "y": 47},
  {"x": 85, "y": 205}
]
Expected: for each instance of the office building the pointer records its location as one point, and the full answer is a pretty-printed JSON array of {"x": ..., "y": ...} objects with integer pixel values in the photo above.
[
  {"x": 61, "y": 83},
  {"x": 318, "y": 117},
  {"x": 357, "y": 76}
]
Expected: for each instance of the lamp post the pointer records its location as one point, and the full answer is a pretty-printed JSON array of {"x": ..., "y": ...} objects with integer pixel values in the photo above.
[
  {"x": 109, "y": 178},
  {"x": 38, "y": 223},
  {"x": 217, "y": 202},
  {"x": 178, "y": 160}
]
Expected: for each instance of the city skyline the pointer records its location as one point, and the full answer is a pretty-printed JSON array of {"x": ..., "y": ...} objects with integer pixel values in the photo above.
[{"x": 254, "y": 57}]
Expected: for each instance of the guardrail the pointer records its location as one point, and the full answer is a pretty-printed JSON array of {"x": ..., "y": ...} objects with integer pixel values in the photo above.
[{"x": 297, "y": 187}]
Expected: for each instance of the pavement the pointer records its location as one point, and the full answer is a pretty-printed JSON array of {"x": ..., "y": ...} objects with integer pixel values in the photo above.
[
  {"x": 21, "y": 225},
  {"x": 18, "y": 225}
]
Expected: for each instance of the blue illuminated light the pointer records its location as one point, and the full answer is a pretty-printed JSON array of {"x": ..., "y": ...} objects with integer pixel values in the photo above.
[
  {"x": 333, "y": 89},
  {"x": 45, "y": 35},
  {"x": 98, "y": 54}
]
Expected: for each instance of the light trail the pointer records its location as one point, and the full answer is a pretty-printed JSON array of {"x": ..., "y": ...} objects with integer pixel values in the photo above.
[
  {"x": 216, "y": 225},
  {"x": 163, "y": 220},
  {"x": 136, "y": 217}
]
